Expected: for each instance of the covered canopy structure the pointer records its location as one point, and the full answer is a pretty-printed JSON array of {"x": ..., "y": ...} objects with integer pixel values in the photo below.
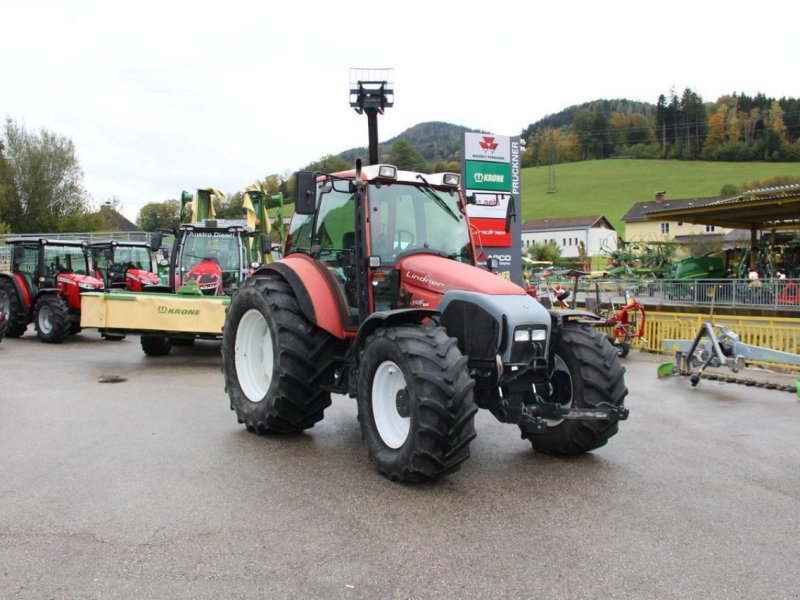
[{"x": 765, "y": 209}]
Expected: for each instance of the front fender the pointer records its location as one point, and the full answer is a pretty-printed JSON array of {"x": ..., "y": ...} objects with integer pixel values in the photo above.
[{"x": 391, "y": 318}]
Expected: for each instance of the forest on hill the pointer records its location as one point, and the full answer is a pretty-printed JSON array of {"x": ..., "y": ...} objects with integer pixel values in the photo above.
[{"x": 733, "y": 128}]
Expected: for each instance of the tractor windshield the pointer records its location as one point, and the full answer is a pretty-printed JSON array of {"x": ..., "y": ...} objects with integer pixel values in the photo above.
[
  {"x": 222, "y": 248},
  {"x": 404, "y": 218},
  {"x": 64, "y": 259}
]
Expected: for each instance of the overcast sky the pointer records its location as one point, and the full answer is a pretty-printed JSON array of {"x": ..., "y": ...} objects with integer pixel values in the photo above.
[{"x": 162, "y": 96}]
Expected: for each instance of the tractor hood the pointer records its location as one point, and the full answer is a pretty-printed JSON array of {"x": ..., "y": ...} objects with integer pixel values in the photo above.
[
  {"x": 439, "y": 275},
  {"x": 84, "y": 282}
]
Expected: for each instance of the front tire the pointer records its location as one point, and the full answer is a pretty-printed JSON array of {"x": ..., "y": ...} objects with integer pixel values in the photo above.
[
  {"x": 156, "y": 345},
  {"x": 415, "y": 403},
  {"x": 275, "y": 360},
  {"x": 587, "y": 374},
  {"x": 11, "y": 305},
  {"x": 51, "y": 316}
]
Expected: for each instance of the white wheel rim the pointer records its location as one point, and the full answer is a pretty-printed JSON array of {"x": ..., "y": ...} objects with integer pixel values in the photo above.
[
  {"x": 254, "y": 355},
  {"x": 392, "y": 427},
  {"x": 45, "y": 321}
]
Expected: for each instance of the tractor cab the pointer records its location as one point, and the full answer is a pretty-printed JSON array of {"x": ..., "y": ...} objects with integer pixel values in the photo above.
[
  {"x": 211, "y": 255},
  {"x": 409, "y": 232},
  {"x": 124, "y": 265},
  {"x": 44, "y": 285}
]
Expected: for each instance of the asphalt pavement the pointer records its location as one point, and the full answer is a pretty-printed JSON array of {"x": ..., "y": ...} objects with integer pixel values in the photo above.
[{"x": 125, "y": 476}]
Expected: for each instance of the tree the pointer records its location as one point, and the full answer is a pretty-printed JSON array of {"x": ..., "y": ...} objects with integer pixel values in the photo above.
[
  {"x": 406, "y": 156},
  {"x": 329, "y": 164},
  {"x": 545, "y": 251},
  {"x": 159, "y": 214},
  {"x": 41, "y": 182}
]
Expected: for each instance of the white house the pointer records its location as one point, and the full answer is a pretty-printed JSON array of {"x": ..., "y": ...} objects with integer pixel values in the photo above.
[{"x": 596, "y": 234}]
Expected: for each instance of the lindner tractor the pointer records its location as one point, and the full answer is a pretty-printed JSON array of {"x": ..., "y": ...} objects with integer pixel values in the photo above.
[
  {"x": 45, "y": 285},
  {"x": 378, "y": 296}
]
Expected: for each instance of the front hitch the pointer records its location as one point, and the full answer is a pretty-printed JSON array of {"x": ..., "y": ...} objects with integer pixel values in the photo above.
[{"x": 534, "y": 417}]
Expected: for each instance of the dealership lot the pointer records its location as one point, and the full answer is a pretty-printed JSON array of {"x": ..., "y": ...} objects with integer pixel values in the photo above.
[{"x": 123, "y": 476}]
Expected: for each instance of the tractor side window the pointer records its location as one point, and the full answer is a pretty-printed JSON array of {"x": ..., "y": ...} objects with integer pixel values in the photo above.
[
  {"x": 102, "y": 262},
  {"x": 28, "y": 264},
  {"x": 335, "y": 237},
  {"x": 299, "y": 237},
  {"x": 336, "y": 219}
]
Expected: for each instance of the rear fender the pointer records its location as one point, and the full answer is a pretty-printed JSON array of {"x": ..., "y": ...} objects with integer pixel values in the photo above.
[
  {"x": 318, "y": 300},
  {"x": 22, "y": 289}
]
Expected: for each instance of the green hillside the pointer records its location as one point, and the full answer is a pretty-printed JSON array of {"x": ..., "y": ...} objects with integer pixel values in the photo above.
[{"x": 611, "y": 187}]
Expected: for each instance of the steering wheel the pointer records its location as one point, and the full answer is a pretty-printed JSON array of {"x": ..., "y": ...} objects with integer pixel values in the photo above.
[{"x": 398, "y": 241}]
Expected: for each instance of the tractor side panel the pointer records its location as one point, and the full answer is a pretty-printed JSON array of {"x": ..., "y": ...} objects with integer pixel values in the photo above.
[{"x": 314, "y": 290}]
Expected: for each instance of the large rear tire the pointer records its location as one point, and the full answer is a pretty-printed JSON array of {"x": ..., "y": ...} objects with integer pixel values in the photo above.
[
  {"x": 415, "y": 403},
  {"x": 51, "y": 315},
  {"x": 588, "y": 374},
  {"x": 275, "y": 360},
  {"x": 11, "y": 305}
]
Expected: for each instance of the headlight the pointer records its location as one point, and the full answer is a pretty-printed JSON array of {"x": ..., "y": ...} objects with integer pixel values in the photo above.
[
  {"x": 538, "y": 335},
  {"x": 87, "y": 286},
  {"x": 522, "y": 335}
]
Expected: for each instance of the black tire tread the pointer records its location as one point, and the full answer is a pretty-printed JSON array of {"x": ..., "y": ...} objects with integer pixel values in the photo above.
[
  {"x": 603, "y": 381},
  {"x": 445, "y": 427},
  {"x": 304, "y": 355},
  {"x": 17, "y": 321},
  {"x": 155, "y": 345},
  {"x": 59, "y": 318}
]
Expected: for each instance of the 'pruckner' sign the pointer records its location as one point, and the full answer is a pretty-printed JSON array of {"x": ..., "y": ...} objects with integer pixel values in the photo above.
[{"x": 491, "y": 174}]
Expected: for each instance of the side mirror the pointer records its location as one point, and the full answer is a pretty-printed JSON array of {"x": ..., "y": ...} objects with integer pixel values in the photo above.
[
  {"x": 305, "y": 199},
  {"x": 155, "y": 241},
  {"x": 19, "y": 255},
  {"x": 266, "y": 244}
]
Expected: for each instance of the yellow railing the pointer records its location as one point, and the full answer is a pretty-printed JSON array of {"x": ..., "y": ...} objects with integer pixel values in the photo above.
[{"x": 769, "y": 332}]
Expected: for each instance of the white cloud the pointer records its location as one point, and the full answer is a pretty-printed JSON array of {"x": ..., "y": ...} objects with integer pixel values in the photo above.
[{"x": 164, "y": 96}]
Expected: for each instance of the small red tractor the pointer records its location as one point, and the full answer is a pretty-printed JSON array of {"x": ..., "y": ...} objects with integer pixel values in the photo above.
[
  {"x": 126, "y": 265},
  {"x": 44, "y": 285},
  {"x": 379, "y": 296}
]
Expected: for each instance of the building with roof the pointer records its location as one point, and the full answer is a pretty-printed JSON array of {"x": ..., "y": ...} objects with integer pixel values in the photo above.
[
  {"x": 640, "y": 228},
  {"x": 595, "y": 234}
]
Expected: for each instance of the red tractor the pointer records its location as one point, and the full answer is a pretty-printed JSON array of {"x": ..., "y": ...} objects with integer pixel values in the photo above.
[
  {"x": 378, "y": 296},
  {"x": 44, "y": 286},
  {"x": 126, "y": 265}
]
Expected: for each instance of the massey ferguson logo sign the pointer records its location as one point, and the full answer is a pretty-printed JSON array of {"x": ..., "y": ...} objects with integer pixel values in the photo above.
[
  {"x": 494, "y": 148},
  {"x": 488, "y": 144}
]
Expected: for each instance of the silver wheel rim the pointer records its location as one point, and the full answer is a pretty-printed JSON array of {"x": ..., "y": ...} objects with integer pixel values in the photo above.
[
  {"x": 45, "y": 319},
  {"x": 254, "y": 355},
  {"x": 561, "y": 370},
  {"x": 392, "y": 427}
]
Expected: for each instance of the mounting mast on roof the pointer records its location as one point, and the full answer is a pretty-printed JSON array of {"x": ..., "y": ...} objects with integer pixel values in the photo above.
[{"x": 372, "y": 91}]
